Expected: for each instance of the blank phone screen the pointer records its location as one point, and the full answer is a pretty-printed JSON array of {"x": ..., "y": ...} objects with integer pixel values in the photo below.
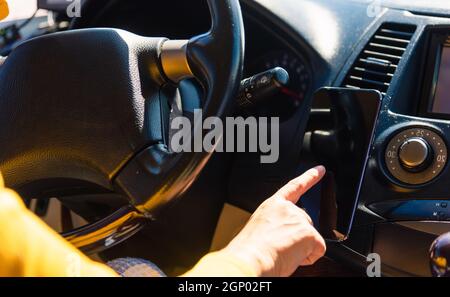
[{"x": 339, "y": 136}]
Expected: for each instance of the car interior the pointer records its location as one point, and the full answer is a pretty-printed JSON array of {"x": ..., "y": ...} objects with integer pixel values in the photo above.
[{"x": 367, "y": 96}]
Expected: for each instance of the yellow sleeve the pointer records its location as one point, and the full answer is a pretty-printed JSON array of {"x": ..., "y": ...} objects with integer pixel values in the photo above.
[
  {"x": 220, "y": 265},
  {"x": 4, "y": 10},
  {"x": 30, "y": 248}
]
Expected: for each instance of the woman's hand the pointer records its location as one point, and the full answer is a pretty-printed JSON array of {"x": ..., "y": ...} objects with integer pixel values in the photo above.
[{"x": 279, "y": 236}]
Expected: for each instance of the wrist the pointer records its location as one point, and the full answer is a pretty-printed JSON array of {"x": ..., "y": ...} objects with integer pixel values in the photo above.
[
  {"x": 221, "y": 264},
  {"x": 261, "y": 263}
]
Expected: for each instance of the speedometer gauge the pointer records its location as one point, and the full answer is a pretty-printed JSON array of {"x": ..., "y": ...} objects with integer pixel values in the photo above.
[{"x": 285, "y": 104}]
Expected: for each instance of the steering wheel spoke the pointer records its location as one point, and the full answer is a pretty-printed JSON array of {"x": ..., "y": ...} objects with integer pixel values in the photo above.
[{"x": 216, "y": 60}]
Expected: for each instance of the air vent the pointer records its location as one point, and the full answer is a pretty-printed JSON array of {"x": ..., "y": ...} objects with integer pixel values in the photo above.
[{"x": 376, "y": 65}]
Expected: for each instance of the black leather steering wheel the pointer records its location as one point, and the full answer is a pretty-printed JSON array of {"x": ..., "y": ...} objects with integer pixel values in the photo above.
[{"x": 87, "y": 109}]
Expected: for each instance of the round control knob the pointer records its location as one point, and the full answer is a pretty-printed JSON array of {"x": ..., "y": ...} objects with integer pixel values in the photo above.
[{"x": 415, "y": 154}]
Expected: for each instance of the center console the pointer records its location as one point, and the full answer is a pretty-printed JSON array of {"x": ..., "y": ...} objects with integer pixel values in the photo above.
[
  {"x": 413, "y": 151},
  {"x": 404, "y": 203}
]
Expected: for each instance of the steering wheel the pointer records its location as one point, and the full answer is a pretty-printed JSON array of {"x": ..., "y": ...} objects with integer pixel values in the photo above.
[{"x": 87, "y": 110}]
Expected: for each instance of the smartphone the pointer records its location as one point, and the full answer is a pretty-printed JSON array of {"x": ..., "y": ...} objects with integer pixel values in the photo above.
[{"x": 339, "y": 134}]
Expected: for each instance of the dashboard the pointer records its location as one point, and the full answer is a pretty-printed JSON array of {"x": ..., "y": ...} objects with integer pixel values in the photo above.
[
  {"x": 265, "y": 48},
  {"x": 403, "y": 51}
]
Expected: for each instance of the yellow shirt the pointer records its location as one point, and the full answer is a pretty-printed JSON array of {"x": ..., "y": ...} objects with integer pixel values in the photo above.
[
  {"x": 30, "y": 248},
  {"x": 4, "y": 10}
]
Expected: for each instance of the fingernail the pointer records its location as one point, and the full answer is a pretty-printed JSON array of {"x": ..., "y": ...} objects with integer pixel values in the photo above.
[{"x": 321, "y": 169}]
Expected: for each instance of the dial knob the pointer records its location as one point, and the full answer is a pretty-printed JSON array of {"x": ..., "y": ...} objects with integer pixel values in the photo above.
[{"x": 415, "y": 154}]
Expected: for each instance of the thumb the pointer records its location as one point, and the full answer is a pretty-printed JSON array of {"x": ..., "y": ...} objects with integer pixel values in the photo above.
[{"x": 300, "y": 185}]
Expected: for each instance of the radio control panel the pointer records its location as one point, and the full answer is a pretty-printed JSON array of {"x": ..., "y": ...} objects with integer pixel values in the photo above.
[{"x": 416, "y": 156}]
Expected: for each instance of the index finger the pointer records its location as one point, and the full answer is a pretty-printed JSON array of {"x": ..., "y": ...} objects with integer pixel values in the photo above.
[{"x": 300, "y": 185}]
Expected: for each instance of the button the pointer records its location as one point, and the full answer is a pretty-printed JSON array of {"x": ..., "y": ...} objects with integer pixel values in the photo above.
[
  {"x": 442, "y": 216},
  {"x": 414, "y": 154},
  {"x": 444, "y": 204}
]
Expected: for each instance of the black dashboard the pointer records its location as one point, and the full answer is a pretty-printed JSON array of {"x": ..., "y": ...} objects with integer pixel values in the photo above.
[
  {"x": 265, "y": 49},
  {"x": 401, "y": 50}
]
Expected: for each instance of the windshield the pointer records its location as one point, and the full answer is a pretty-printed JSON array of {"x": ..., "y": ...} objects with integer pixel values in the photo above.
[
  {"x": 431, "y": 4},
  {"x": 423, "y": 3},
  {"x": 23, "y": 9}
]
